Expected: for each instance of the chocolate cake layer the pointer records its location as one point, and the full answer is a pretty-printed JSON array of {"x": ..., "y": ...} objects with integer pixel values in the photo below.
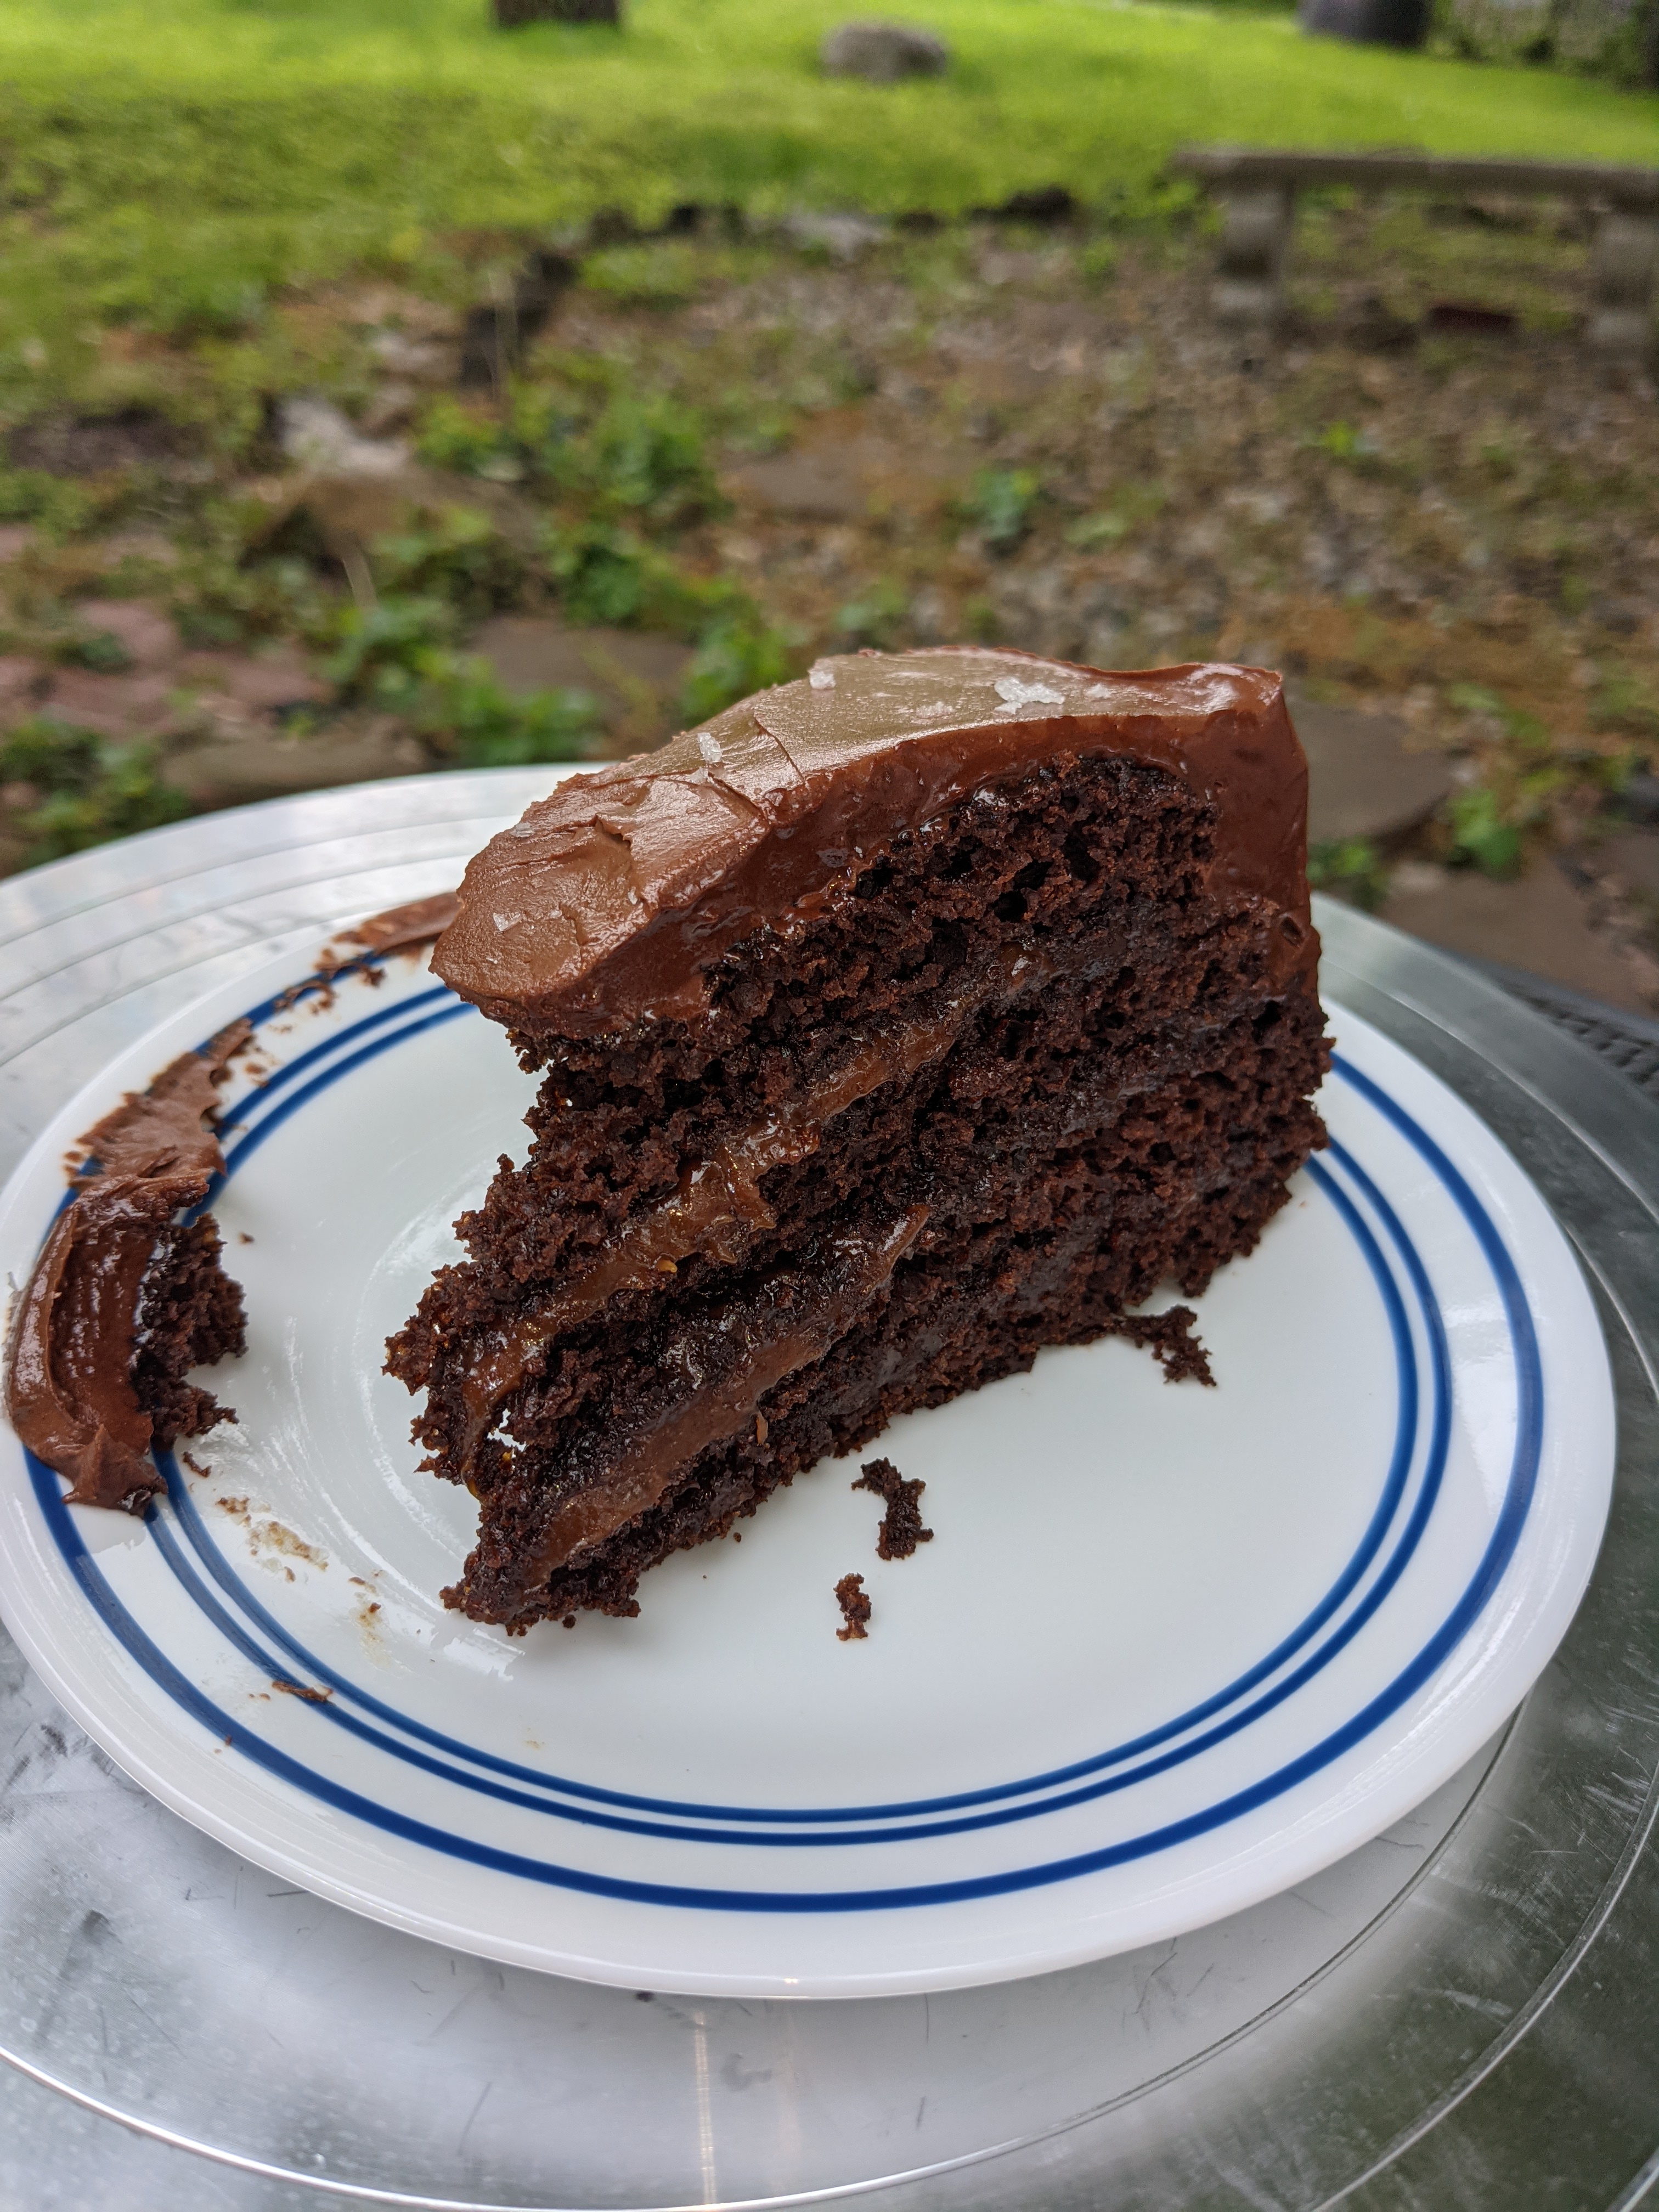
[
  {"x": 817, "y": 1143},
  {"x": 126, "y": 1298}
]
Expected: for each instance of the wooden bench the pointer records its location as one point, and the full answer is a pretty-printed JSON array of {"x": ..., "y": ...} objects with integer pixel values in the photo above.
[{"x": 1256, "y": 190}]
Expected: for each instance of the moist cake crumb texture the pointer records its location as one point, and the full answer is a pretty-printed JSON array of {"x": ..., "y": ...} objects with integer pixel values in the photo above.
[
  {"x": 854, "y": 1608},
  {"x": 901, "y": 1524},
  {"x": 890, "y": 1028}
]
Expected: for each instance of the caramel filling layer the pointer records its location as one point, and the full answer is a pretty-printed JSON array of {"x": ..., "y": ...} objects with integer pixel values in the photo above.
[
  {"x": 718, "y": 1208},
  {"x": 791, "y": 1325}
]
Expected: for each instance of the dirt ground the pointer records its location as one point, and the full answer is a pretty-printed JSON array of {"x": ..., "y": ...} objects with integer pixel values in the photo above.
[{"x": 1423, "y": 499}]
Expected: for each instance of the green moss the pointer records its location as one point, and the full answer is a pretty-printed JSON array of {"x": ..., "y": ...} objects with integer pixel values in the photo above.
[
  {"x": 1352, "y": 866},
  {"x": 90, "y": 790},
  {"x": 468, "y": 719},
  {"x": 1000, "y": 503}
]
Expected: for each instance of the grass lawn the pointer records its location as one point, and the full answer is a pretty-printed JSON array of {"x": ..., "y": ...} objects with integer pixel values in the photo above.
[
  {"x": 168, "y": 163},
  {"x": 731, "y": 449}
]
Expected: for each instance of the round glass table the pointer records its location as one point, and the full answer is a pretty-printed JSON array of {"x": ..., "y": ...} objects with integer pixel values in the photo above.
[{"x": 1464, "y": 2012}]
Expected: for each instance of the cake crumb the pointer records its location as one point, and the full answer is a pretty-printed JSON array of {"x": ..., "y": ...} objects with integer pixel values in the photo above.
[
  {"x": 301, "y": 1689},
  {"x": 901, "y": 1525},
  {"x": 1169, "y": 1339},
  {"x": 194, "y": 1464},
  {"x": 854, "y": 1607},
  {"x": 570, "y": 1620}
]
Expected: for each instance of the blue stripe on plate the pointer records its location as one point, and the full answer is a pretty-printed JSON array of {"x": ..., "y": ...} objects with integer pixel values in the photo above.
[
  {"x": 804, "y": 1818},
  {"x": 1499, "y": 1552},
  {"x": 221, "y": 1571}
]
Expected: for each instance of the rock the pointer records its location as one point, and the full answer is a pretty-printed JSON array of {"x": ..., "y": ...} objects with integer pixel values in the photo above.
[
  {"x": 348, "y": 511},
  {"x": 420, "y": 359},
  {"x": 19, "y": 681},
  {"x": 882, "y": 53},
  {"x": 1540, "y": 923},
  {"x": 252, "y": 684},
  {"x": 845, "y": 236},
  {"x": 1637, "y": 798},
  {"x": 635, "y": 675},
  {"x": 807, "y": 487},
  {"x": 839, "y": 481},
  {"x": 1634, "y": 859},
  {"x": 314, "y": 433},
  {"x": 1362, "y": 782},
  {"x": 229, "y": 771},
  {"x": 146, "y": 545},
  {"x": 139, "y": 706},
  {"x": 150, "y": 636},
  {"x": 95, "y": 445}
]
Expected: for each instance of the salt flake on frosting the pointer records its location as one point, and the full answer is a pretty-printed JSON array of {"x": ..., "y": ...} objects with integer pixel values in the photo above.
[
  {"x": 710, "y": 749},
  {"x": 506, "y": 921},
  {"x": 1014, "y": 694},
  {"x": 821, "y": 679}
]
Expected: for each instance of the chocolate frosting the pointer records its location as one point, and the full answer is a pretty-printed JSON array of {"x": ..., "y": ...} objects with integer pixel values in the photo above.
[
  {"x": 790, "y": 1324},
  {"x": 611, "y": 897},
  {"x": 69, "y": 1368},
  {"x": 399, "y": 929}
]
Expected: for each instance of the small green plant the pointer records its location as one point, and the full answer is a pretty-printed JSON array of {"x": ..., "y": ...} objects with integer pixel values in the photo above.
[
  {"x": 465, "y": 439},
  {"x": 97, "y": 650},
  {"x": 60, "y": 506},
  {"x": 1097, "y": 262},
  {"x": 1000, "y": 505},
  {"x": 457, "y": 555},
  {"x": 1354, "y": 447},
  {"x": 90, "y": 790},
  {"x": 1351, "y": 867},
  {"x": 873, "y": 618},
  {"x": 737, "y": 654},
  {"x": 646, "y": 456},
  {"x": 1132, "y": 505},
  {"x": 389, "y": 652},
  {"x": 1480, "y": 837},
  {"x": 662, "y": 273},
  {"x": 605, "y": 574},
  {"x": 467, "y": 718},
  {"x": 1626, "y": 702}
]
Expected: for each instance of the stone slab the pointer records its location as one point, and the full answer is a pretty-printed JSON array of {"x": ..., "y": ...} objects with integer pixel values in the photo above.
[
  {"x": 1632, "y": 857},
  {"x": 635, "y": 675},
  {"x": 1539, "y": 922},
  {"x": 1362, "y": 781},
  {"x": 231, "y": 771}
]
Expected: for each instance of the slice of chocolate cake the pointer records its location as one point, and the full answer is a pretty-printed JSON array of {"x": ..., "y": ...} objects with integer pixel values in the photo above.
[
  {"x": 897, "y": 1023},
  {"x": 127, "y": 1296}
]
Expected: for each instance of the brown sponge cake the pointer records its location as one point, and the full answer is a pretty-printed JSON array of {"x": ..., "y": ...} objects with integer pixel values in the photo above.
[{"x": 897, "y": 1023}]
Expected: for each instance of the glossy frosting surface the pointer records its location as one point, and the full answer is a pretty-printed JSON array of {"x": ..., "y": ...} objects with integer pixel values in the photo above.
[{"x": 610, "y": 899}]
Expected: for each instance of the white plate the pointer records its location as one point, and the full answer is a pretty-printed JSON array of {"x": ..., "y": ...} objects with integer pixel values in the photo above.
[{"x": 1171, "y": 1650}]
